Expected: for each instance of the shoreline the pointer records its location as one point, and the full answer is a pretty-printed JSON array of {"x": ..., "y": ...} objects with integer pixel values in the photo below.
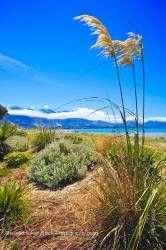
[
  {"x": 155, "y": 135},
  {"x": 149, "y": 134}
]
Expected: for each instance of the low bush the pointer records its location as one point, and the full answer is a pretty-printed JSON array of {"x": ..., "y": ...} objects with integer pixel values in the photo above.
[
  {"x": 61, "y": 163},
  {"x": 18, "y": 143},
  {"x": 13, "y": 204},
  {"x": 42, "y": 138},
  {"x": 16, "y": 159}
]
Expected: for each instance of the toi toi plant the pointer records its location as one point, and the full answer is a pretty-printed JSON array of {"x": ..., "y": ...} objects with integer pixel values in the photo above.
[
  {"x": 123, "y": 53},
  {"x": 131, "y": 188}
]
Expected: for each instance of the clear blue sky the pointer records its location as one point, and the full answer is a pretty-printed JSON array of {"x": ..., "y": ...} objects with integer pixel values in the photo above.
[{"x": 45, "y": 57}]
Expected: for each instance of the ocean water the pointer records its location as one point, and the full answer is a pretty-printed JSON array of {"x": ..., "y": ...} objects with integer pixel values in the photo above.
[{"x": 149, "y": 131}]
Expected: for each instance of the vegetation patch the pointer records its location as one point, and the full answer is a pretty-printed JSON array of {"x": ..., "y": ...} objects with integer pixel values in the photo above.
[
  {"x": 75, "y": 139},
  {"x": 3, "y": 172},
  {"x": 132, "y": 200},
  {"x": 16, "y": 159},
  {"x": 13, "y": 204},
  {"x": 61, "y": 163},
  {"x": 42, "y": 138},
  {"x": 7, "y": 130},
  {"x": 18, "y": 143},
  {"x": 14, "y": 246}
]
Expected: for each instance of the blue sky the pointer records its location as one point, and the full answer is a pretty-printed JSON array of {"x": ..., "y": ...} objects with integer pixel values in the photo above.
[{"x": 45, "y": 57}]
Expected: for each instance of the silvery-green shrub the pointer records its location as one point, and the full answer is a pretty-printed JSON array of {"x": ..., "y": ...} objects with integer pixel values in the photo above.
[{"x": 61, "y": 163}]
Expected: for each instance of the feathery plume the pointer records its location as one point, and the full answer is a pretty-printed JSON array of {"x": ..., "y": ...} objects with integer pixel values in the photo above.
[
  {"x": 134, "y": 45},
  {"x": 125, "y": 60},
  {"x": 129, "y": 49},
  {"x": 119, "y": 47},
  {"x": 104, "y": 41},
  {"x": 122, "y": 52}
]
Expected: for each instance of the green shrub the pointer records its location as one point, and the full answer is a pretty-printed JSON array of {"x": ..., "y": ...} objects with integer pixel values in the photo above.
[
  {"x": 3, "y": 172},
  {"x": 16, "y": 159},
  {"x": 18, "y": 143},
  {"x": 62, "y": 162},
  {"x": 13, "y": 204},
  {"x": 7, "y": 129},
  {"x": 42, "y": 138}
]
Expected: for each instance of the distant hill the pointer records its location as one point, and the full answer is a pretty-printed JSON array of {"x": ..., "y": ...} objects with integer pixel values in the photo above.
[
  {"x": 26, "y": 121},
  {"x": 69, "y": 123},
  {"x": 47, "y": 110},
  {"x": 155, "y": 124}
]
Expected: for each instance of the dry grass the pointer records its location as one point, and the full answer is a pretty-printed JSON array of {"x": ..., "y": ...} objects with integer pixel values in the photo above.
[{"x": 104, "y": 142}]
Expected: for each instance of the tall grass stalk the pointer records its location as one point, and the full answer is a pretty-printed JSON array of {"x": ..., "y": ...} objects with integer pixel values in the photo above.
[
  {"x": 143, "y": 103},
  {"x": 123, "y": 105},
  {"x": 136, "y": 136},
  {"x": 136, "y": 97}
]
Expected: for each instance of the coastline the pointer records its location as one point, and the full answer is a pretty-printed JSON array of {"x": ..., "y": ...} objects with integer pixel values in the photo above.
[
  {"x": 155, "y": 135},
  {"x": 149, "y": 134}
]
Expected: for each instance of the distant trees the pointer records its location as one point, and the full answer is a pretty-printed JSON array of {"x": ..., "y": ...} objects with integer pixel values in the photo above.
[{"x": 3, "y": 111}]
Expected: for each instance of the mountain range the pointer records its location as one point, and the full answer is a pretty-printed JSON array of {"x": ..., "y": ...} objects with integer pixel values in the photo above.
[{"x": 76, "y": 119}]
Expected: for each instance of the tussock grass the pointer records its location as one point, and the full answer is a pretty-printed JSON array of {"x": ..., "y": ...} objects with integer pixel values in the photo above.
[
  {"x": 132, "y": 202},
  {"x": 42, "y": 138},
  {"x": 14, "y": 204}
]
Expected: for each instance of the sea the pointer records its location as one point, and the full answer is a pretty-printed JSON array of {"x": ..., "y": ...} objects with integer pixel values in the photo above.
[{"x": 151, "y": 132}]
